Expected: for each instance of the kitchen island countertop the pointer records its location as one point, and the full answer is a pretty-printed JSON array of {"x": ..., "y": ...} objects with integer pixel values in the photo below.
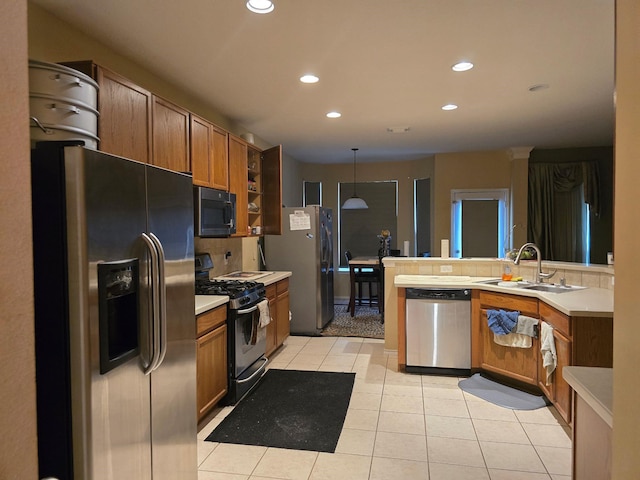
[{"x": 590, "y": 301}]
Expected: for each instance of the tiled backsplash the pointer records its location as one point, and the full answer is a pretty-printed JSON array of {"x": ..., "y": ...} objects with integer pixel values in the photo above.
[
  {"x": 217, "y": 248},
  {"x": 574, "y": 274}
]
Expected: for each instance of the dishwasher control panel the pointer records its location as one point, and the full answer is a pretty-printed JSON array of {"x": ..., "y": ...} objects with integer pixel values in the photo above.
[{"x": 439, "y": 294}]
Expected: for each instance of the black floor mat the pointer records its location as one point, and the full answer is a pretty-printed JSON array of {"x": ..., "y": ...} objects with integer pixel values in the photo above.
[{"x": 292, "y": 409}]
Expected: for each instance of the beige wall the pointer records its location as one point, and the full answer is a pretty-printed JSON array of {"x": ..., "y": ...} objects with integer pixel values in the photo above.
[
  {"x": 18, "y": 448},
  {"x": 626, "y": 354},
  {"x": 468, "y": 170},
  {"x": 330, "y": 175}
]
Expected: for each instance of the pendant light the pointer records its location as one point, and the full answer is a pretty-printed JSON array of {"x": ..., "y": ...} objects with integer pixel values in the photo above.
[{"x": 355, "y": 202}]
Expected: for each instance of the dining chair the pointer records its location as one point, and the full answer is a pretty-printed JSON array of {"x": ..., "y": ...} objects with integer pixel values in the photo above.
[{"x": 369, "y": 278}]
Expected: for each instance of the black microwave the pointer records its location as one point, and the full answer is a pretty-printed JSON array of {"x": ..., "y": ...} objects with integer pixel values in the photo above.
[{"x": 215, "y": 212}]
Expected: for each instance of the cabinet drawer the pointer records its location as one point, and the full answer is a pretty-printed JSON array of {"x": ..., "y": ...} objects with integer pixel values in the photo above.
[
  {"x": 525, "y": 305},
  {"x": 271, "y": 291},
  {"x": 557, "y": 320},
  {"x": 282, "y": 286},
  {"x": 210, "y": 320}
]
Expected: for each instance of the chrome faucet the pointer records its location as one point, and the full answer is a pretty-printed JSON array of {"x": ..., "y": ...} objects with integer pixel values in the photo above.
[{"x": 539, "y": 274}]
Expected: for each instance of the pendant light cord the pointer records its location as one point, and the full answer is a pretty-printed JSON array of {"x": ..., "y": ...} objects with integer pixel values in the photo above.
[{"x": 355, "y": 194}]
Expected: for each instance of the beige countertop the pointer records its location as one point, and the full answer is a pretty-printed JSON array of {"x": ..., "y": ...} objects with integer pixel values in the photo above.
[
  {"x": 273, "y": 277},
  {"x": 595, "y": 386},
  {"x": 590, "y": 301},
  {"x": 207, "y": 302}
]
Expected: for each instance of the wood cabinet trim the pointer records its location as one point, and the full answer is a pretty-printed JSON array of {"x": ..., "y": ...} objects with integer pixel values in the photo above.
[
  {"x": 211, "y": 319},
  {"x": 211, "y": 370}
]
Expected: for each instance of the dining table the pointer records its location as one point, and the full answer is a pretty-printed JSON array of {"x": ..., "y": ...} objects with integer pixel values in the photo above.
[{"x": 354, "y": 264}]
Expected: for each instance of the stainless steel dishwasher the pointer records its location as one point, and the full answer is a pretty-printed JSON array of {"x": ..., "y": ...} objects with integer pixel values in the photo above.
[{"x": 438, "y": 327}]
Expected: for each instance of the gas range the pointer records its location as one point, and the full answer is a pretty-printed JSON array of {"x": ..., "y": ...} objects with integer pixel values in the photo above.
[{"x": 240, "y": 293}]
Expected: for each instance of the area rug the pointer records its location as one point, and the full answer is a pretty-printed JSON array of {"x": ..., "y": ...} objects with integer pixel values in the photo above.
[
  {"x": 501, "y": 395},
  {"x": 366, "y": 323},
  {"x": 292, "y": 409}
]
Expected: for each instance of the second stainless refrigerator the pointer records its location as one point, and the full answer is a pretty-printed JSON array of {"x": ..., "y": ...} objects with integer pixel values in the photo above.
[{"x": 305, "y": 248}]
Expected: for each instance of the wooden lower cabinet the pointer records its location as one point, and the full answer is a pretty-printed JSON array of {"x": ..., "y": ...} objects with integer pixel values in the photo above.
[
  {"x": 580, "y": 341},
  {"x": 518, "y": 363},
  {"x": 272, "y": 327},
  {"x": 558, "y": 390},
  {"x": 282, "y": 311},
  {"x": 211, "y": 363},
  {"x": 278, "y": 330}
]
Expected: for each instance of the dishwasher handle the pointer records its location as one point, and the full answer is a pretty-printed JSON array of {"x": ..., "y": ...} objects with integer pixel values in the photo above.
[{"x": 438, "y": 294}]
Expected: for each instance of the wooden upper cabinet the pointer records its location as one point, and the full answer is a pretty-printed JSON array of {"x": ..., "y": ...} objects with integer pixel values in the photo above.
[
  {"x": 272, "y": 190},
  {"x": 201, "y": 165},
  {"x": 238, "y": 182},
  {"x": 170, "y": 136},
  {"x": 124, "y": 123},
  {"x": 220, "y": 158},
  {"x": 209, "y": 154}
]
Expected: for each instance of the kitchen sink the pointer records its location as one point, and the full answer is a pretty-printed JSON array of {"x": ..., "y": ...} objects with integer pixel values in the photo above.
[
  {"x": 554, "y": 288},
  {"x": 540, "y": 287}
]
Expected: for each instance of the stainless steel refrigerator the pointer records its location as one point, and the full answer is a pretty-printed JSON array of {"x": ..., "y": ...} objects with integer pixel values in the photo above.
[
  {"x": 114, "y": 317},
  {"x": 305, "y": 248}
]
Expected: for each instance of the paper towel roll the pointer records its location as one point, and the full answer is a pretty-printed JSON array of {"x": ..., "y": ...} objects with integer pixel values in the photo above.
[
  {"x": 444, "y": 248},
  {"x": 406, "y": 248}
]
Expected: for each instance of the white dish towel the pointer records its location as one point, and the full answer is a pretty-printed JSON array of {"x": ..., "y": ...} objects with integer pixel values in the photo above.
[
  {"x": 548, "y": 350},
  {"x": 265, "y": 315}
]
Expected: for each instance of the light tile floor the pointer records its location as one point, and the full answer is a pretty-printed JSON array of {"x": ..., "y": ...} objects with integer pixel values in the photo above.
[{"x": 399, "y": 426}]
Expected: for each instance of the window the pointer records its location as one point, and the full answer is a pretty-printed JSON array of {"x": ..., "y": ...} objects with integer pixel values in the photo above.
[
  {"x": 479, "y": 223},
  {"x": 422, "y": 216},
  {"x": 311, "y": 193},
  {"x": 359, "y": 229}
]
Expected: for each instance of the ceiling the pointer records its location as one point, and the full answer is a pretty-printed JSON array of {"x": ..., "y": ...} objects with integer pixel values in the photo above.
[{"x": 382, "y": 64}]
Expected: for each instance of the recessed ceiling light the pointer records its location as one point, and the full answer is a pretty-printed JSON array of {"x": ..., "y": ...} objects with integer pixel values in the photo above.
[
  {"x": 334, "y": 114},
  {"x": 449, "y": 106},
  {"x": 462, "y": 66},
  {"x": 538, "y": 87},
  {"x": 260, "y": 6},
  {"x": 308, "y": 78}
]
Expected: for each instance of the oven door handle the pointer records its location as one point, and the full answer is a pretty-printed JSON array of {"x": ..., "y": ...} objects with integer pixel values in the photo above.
[
  {"x": 248, "y": 310},
  {"x": 265, "y": 360}
]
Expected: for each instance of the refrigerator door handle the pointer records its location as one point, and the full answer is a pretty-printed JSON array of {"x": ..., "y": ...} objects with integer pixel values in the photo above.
[
  {"x": 162, "y": 291},
  {"x": 154, "y": 326}
]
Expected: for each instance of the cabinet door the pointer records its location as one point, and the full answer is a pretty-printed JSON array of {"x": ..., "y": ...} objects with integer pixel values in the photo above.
[
  {"x": 547, "y": 390},
  {"x": 238, "y": 183},
  {"x": 219, "y": 158},
  {"x": 272, "y": 328},
  {"x": 170, "y": 136},
  {"x": 562, "y": 389},
  {"x": 124, "y": 125},
  {"x": 211, "y": 369},
  {"x": 518, "y": 363},
  {"x": 282, "y": 312},
  {"x": 272, "y": 190},
  {"x": 200, "y": 146}
]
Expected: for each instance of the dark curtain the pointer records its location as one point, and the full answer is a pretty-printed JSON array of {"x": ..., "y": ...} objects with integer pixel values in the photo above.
[{"x": 556, "y": 195}]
